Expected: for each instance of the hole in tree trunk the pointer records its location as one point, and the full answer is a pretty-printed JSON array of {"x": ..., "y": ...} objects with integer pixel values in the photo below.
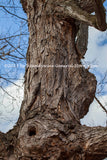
[
  {"x": 39, "y": 61},
  {"x": 10, "y": 150},
  {"x": 32, "y": 131}
]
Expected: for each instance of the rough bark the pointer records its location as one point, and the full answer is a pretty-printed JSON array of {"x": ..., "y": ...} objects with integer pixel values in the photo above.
[{"x": 55, "y": 97}]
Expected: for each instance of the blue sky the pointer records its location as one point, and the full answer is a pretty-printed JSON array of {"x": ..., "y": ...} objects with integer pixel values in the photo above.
[
  {"x": 10, "y": 25},
  {"x": 97, "y": 55}
]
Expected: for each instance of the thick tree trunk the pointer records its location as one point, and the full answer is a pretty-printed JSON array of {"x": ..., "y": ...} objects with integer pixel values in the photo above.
[{"x": 58, "y": 92}]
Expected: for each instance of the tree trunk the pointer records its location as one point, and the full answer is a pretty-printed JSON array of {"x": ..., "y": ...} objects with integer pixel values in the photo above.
[{"x": 58, "y": 91}]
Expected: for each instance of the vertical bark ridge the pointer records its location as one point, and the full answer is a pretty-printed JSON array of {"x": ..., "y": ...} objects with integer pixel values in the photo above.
[{"x": 52, "y": 43}]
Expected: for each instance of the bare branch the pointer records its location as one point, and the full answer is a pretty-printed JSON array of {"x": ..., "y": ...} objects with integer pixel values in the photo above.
[
  {"x": 101, "y": 104},
  {"x": 15, "y": 48},
  {"x": 18, "y": 35},
  {"x": 95, "y": 139},
  {"x": 100, "y": 15},
  {"x": 9, "y": 81},
  {"x": 4, "y": 54},
  {"x": 7, "y": 93},
  {"x": 71, "y": 9},
  {"x": 10, "y": 6},
  {"x": 13, "y": 13}
]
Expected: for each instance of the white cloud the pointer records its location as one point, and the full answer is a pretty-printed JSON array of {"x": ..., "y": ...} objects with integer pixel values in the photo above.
[
  {"x": 96, "y": 52},
  {"x": 10, "y": 106},
  {"x": 97, "y": 55},
  {"x": 96, "y": 115}
]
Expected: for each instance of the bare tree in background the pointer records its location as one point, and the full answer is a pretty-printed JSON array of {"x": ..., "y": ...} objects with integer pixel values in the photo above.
[
  {"x": 13, "y": 46},
  {"x": 13, "y": 43},
  {"x": 55, "y": 98}
]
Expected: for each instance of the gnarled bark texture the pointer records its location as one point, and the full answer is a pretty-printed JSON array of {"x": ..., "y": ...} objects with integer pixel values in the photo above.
[{"x": 58, "y": 89}]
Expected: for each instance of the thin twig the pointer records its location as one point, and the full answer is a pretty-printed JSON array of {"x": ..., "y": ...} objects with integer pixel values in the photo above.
[
  {"x": 10, "y": 6},
  {"x": 7, "y": 93},
  {"x": 9, "y": 81},
  {"x": 13, "y": 14},
  {"x": 15, "y": 48},
  {"x": 100, "y": 104},
  {"x": 13, "y": 36}
]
